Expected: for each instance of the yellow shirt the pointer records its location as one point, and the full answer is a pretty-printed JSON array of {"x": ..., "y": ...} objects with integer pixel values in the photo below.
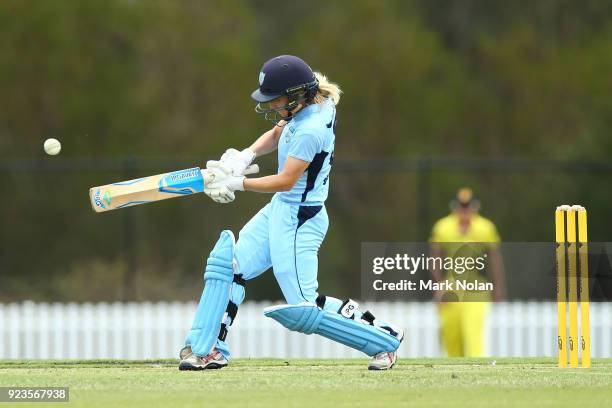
[
  {"x": 452, "y": 241},
  {"x": 481, "y": 229}
]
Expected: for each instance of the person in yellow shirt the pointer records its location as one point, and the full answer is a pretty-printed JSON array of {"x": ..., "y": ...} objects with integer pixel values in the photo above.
[{"x": 465, "y": 233}]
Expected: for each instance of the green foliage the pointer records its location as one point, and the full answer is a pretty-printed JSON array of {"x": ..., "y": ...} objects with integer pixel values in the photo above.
[{"x": 117, "y": 78}]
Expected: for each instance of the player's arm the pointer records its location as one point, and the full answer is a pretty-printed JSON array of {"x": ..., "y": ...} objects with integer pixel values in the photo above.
[
  {"x": 223, "y": 187},
  {"x": 240, "y": 162},
  {"x": 267, "y": 142},
  {"x": 283, "y": 181}
]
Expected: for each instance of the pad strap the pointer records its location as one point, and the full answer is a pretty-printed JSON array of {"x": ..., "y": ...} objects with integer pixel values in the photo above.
[
  {"x": 239, "y": 280},
  {"x": 231, "y": 311},
  {"x": 321, "y": 301},
  {"x": 368, "y": 317}
]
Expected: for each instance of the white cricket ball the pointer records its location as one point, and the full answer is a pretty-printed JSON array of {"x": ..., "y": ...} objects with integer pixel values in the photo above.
[{"x": 52, "y": 146}]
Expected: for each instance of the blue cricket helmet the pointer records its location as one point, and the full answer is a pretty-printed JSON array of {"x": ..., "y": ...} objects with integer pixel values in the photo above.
[{"x": 283, "y": 75}]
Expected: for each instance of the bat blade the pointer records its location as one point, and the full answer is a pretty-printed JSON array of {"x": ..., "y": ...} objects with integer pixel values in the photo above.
[{"x": 147, "y": 189}]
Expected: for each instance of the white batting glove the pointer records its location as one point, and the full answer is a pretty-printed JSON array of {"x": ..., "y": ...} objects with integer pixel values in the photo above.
[
  {"x": 224, "y": 177},
  {"x": 231, "y": 183},
  {"x": 221, "y": 183},
  {"x": 217, "y": 172},
  {"x": 216, "y": 166},
  {"x": 238, "y": 161},
  {"x": 220, "y": 195}
]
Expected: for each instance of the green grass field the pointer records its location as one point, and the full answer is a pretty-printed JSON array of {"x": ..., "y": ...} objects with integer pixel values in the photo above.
[{"x": 318, "y": 383}]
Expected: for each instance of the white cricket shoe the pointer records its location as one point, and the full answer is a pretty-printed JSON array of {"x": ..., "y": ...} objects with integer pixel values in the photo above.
[
  {"x": 383, "y": 361},
  {"x": 185, "y": 352},
  {"x": 386, "y": 359},
  {"x": 191, "y": 362}
]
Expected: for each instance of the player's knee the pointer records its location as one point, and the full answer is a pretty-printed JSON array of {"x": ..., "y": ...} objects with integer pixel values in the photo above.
[{"x": 220, "y": 262}]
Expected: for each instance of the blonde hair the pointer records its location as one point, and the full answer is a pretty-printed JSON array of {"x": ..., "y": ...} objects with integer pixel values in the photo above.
[{"x": 326, "y": 90}]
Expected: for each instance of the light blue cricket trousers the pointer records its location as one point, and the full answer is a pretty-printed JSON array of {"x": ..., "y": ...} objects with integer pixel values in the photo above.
[{"x": 286, "y": 237}]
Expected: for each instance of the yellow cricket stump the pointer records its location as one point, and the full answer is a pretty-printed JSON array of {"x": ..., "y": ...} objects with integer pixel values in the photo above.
[
  {"x": 583, "y": 255},
  {"x": 561, "y": 287},
  {"x": 572, "y": 277}
]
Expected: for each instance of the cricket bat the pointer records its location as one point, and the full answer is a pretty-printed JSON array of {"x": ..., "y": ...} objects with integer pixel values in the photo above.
[{"x": 153, "y": 188}]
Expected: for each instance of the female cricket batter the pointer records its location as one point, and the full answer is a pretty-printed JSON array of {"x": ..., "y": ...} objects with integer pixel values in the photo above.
[{"x": 286, "y": 234}]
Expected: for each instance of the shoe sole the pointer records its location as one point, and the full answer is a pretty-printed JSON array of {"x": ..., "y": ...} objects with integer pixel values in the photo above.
[
  {"x": 191, "y": 367},
  {"x": 380, "y": 369}
]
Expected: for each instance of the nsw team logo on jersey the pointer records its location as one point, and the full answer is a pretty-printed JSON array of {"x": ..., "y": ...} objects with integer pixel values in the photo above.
[{"x": 288, "y": 133}]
